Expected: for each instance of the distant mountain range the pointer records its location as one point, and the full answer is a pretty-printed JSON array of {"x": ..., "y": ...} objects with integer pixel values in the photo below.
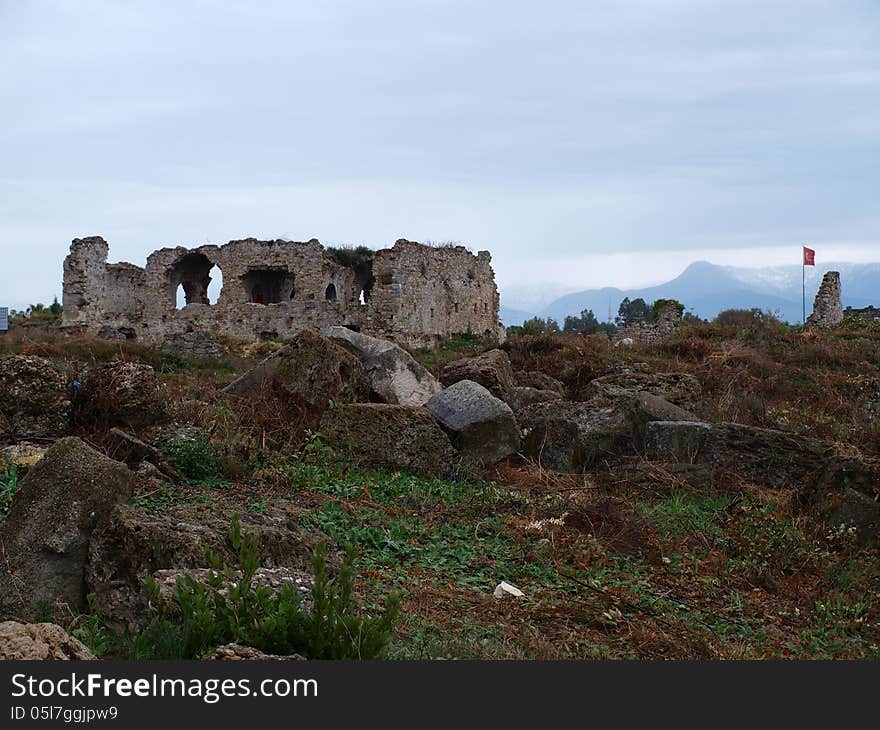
[{"x": 706, "y": 289}]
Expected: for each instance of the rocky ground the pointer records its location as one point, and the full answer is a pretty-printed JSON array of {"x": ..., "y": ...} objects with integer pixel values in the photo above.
[{"x": 713, "y": 495}]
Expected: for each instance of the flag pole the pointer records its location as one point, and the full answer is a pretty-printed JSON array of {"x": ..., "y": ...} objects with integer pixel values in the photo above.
[{"x": 803, "y": 288}]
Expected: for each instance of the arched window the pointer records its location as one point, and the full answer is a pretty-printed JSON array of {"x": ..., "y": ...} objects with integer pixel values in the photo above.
[{"x": 330, "y": 293}]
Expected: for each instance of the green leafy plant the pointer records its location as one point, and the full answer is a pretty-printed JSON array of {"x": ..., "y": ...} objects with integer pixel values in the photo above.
[
  {"x": 9, "y": 482},
  {"x": 90, "y": 630},
  {"x": 229, "y": 607},
  {"x": 196, "y": 459}
]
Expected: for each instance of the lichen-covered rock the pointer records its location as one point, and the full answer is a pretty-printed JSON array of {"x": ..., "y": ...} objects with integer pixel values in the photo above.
[
  {"x": 121, "y": 393},
  {"x": 680, "y": 389},
  {"x": 312, "y": 368},
  {"x": 490, "y": 369},
  {"x": 135, "y": 543},
  {"x": 675, "y": 441},
  {"x": 397, "y": 437},
  {"x": 538, "y": 380},
  {"x": 481, "y": 426},
  {"x": 33, "y": 397},
  {"x": 570, "y": 436},
  {"x": 39, "y": 642},
  {"x": 521, "y": 397},
  {"x": 395, "y": 377},
  {"x": 45, "y": 537}
]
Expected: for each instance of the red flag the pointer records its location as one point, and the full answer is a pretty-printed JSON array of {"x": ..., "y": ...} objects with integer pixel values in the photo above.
[{"x": 809, "y": 257}]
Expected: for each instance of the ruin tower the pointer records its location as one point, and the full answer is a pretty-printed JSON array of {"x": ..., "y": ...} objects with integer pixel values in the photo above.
[
  {"x": 413, "y": 294},
  {"x": 827, "y": 306}
]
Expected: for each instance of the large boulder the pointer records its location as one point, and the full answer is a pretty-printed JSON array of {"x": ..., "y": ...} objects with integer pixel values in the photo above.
[
  {"x": 135, "y": 543},
  {"x": 680, "y": 389},
  {"x": 33, "y": 398},
  {"x": 570, "y": 436},
  {"x": 776, "y": 459},
  {"x": 490, "y": 369},
  {"x": 395, "y": 377},
  {"x": 311, "y": 368},
  {"x": 841, "y": 487},
  {"x": 481, "y": 426},
  {"x": 39, "y": 642},
  {"x": 45, "y": 537},
  {"x": 121, "y": 393},
  {"x": 397, "y": 437}
]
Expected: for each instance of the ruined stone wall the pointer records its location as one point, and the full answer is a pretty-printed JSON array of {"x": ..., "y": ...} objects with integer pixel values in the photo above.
[
  {"x": 650, "y": 330},
  {"x": 870, "y": 314},
  {"x": 410, "y": 293},
  {"x": 827, "y": 307}
]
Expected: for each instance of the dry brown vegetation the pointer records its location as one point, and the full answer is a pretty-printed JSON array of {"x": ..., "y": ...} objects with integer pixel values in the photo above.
[{"x": 630, "y": 560}]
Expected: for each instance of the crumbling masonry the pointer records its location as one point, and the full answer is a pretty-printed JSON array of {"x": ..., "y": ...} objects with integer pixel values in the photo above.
[
  {"x": 827, "y": 307},
  {"x": 411, "y": 293}
]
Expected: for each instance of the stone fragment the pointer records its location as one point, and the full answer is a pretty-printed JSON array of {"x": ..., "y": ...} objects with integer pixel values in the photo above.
[
  {"x": 680, "y": 389},
  {"x": 33, "y": 398},
  {"x": 480, "y": 425},
  {"x": 538, "y": 380},
  {"x": 44, "y": 539},
  {"x": 395, "y": 437},
  {"x": 39, "y": 642},
  {"x": 312, "y": 368},
  {"x": 490, "y": 369},
  {"x": 135, "y": 543},
  {"x": 395, "y": 377}
]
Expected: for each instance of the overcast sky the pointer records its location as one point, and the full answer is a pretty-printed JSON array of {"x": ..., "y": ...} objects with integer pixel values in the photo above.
[{"x": 582, "y": 143}]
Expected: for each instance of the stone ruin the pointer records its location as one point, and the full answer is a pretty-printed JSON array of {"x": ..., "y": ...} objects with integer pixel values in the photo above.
[
  {"x": 650, "y": 330},
  {"x": 870, "y": 313},
  {"x": 411, "y": 293},
  {"x": 827, "y": 308}
]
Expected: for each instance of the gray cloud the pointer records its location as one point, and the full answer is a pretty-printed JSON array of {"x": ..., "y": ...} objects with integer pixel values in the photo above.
[{"x": 553, "y": 129}]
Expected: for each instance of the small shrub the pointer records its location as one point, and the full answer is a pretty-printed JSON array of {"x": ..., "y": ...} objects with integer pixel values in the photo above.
[
  {"x": 194, "y": 457},
  {"x": 90, "y": 630},
  {"x": 9, "y": 482},
  {"x": 228, "y": 607},
  {"x": 351, "y": 256}
]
